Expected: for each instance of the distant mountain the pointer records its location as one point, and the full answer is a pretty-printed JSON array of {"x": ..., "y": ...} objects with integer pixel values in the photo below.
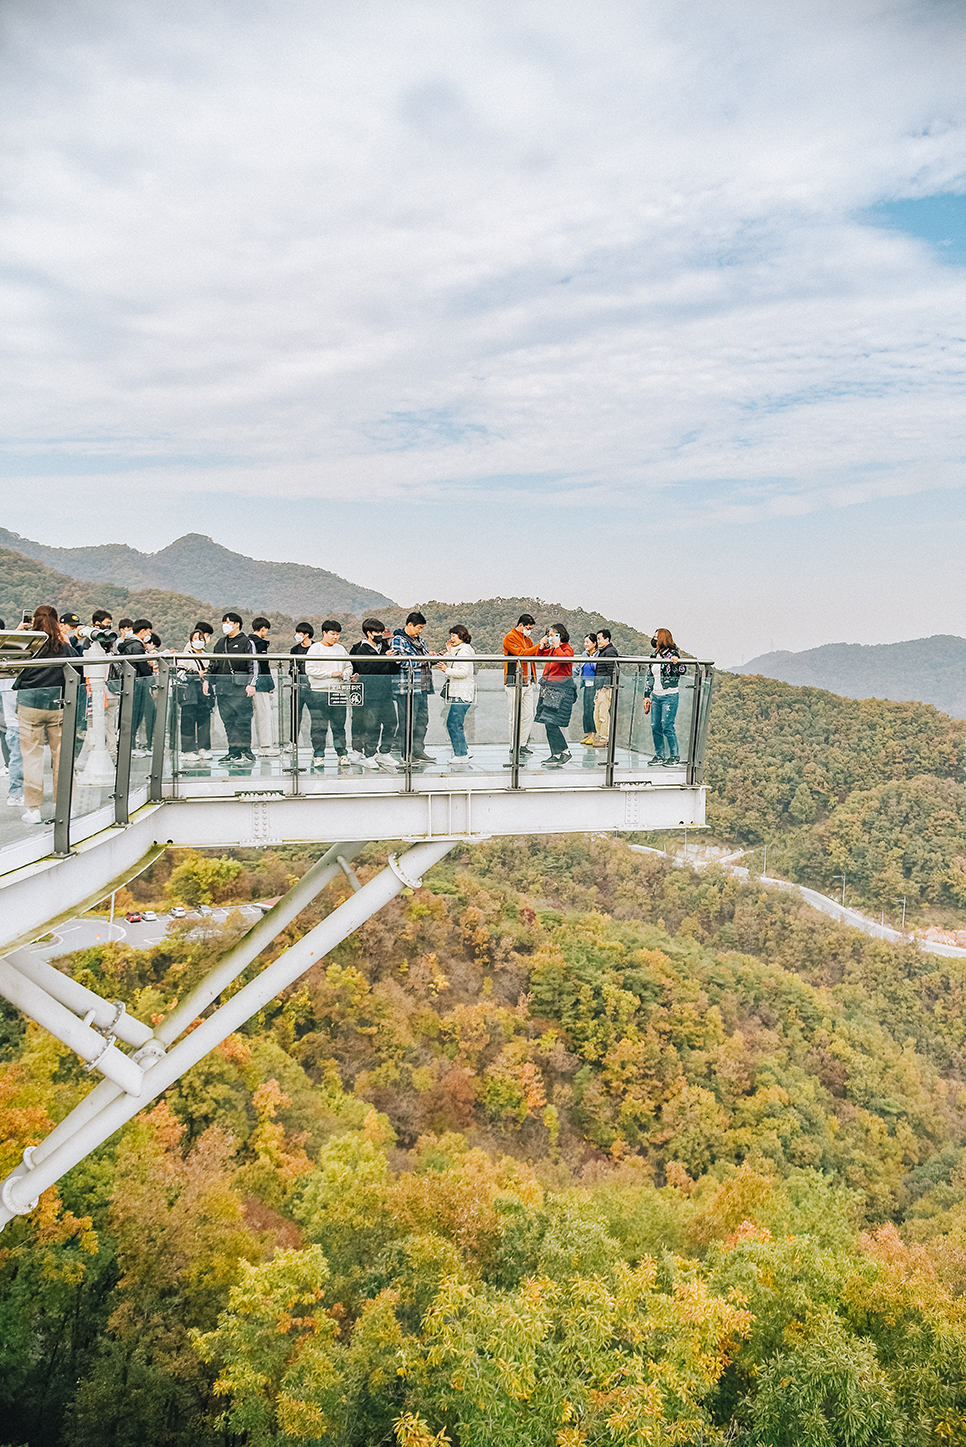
[
  {"x": 198, "y": 566},
  {"x": 928, "y": 670},
  {"x": 25, "y": 582}
]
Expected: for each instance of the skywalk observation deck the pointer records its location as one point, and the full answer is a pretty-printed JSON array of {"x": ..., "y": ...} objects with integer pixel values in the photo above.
[{"x": 144, "y": 764}]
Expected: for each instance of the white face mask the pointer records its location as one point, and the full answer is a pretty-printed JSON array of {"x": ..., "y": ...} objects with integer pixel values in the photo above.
[
  {"x": 300, "y": 638},
  {"x": 527, "y": 631},
  {"x": 227, "y": 627}
]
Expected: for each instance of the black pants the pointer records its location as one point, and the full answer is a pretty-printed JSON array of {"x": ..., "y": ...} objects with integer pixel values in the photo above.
[
  {"x": 588, "y": 695},
  {"x": 148, "y": 713},
  {"x": 323, "y": 716},
  {"x": 378, "y": 716},
  {"x": 301, "y": 693},
  {"x": 420, "y": 703},
  {"x": 195, "y": 727},
  {"x": 235, "y": 708}
]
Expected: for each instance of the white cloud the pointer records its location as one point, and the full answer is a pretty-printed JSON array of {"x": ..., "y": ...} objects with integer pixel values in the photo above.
[{"x": 407, "y": 249}]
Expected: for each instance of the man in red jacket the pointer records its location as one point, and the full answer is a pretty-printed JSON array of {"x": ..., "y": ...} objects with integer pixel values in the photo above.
[{"x": 518, "y": 643}]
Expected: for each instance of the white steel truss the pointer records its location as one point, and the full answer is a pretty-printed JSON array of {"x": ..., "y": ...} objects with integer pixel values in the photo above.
[{"x": 91, "y": 1026}]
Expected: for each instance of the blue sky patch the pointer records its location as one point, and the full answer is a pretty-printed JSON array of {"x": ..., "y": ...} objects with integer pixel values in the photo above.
[{"x": 940, "y": 220}]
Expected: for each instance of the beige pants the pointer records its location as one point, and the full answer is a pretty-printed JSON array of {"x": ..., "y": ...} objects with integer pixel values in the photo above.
[
  {"x": 602, "y": 712},
  {"x": 38, "y": 726},
  {"x": 264, "y": 721},
  {"x": 528, "y": 707}
]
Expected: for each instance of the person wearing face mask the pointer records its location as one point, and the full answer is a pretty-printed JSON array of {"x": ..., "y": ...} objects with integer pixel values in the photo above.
[
  {"x": 518, "y": 643},
  {"x": 266, "y": 725},
  {"x": 195, "y": 701},
  {"x": 374, "y": 728},
  {"x": 558, "y": 692},
  {"x": 661, "y": 697},
  {"x": 233, "y": 669},
  {"x": 304, "y": 634},
  {"x": 585, "y": 673},
  {"x": 131, "y": 645}
]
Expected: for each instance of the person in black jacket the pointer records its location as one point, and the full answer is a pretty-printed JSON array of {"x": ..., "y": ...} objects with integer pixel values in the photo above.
[
  {"x": 304, "y": 634},
  {"x": 377, "y": 716},
  {"x": 266, "y": 728},
  {"x": 232, "y": 670},
  {"x": 40, "y": 695},
  {"x": 132, "y": 647},
  {"x": 603, "y": 687}
]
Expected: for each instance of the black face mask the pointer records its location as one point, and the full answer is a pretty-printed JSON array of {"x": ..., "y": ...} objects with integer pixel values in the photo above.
[{"x": 653, "y": 642}]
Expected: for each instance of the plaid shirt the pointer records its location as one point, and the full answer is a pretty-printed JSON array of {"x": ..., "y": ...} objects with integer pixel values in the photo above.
[{"x": 417, "y": 675}]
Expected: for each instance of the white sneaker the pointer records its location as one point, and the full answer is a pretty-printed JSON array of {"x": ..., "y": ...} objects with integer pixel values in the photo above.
[
  {"x": 387, "y": 762},
  {"x": 344, "y": 761},
  {"x": 370, "y": 764},
  {"x": 355, "y": 756},
  {"x": 204, "y": 753},
  {"x": 319, "y": 761},
  {"x": 32, "y": 816},
  {"x": 16, "y": 800},
  {"x": 4, "y": 771},
  {"x": 189, "y": 758}
]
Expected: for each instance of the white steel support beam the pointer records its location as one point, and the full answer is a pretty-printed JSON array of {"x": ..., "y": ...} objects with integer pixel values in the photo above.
[
  {"x": 109, "y": 858},
  {"x": 228, "y": 968},
  {"x": 99, "y": 1051},
  {"x": 45, "y": 1164},
  {"x": 107, "y": 1016}
]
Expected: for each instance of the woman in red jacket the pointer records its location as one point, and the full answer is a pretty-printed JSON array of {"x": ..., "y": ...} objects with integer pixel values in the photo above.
[{"x": 558, "y": 692}]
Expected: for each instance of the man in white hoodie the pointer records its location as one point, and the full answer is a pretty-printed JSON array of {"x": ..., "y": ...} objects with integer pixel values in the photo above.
[{"x": 328, "y": 669}]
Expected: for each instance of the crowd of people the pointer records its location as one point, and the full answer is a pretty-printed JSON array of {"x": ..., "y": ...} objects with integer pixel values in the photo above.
[{"x": 371, "y": 700}]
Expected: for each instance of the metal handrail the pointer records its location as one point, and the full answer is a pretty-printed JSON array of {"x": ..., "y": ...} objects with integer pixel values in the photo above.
[
  {"x": 536, "y": 659},
  {"x": 288, "y": 668}
]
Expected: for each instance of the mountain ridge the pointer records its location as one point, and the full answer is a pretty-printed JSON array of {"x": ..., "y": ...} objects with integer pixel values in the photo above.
[
  {"x": 923, "y": 670},
  {"x": 25, "y": 582},
  {"x": 196, "y": 565}
]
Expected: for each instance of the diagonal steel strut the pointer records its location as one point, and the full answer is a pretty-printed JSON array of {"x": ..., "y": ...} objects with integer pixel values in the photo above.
[
  {"x": 94, "y": 1121},
  {"x": 228, "y": 968}
]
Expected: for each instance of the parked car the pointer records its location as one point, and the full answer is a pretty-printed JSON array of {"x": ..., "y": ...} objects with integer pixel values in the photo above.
[
  {"x": 133, "y": 917},
  {"x": 178, "y": 911},
  {"x": 148, "y": 914}
]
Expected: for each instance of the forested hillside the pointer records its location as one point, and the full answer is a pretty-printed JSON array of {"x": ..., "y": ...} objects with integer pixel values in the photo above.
[
  {"x": 868, "y": 787},
  {"x": 932, "y": 670},
  {"x": 566, "y": 1147}
]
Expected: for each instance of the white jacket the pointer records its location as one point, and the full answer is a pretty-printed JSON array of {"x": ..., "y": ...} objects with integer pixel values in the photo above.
[
  {"x": 459, "y": 674},
  {"x": 327, "y": 667}
]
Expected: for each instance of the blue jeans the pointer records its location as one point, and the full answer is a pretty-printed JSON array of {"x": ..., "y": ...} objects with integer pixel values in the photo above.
[
  {"x": 664, "y": 707},
  {"x": 454, "y": 727}
]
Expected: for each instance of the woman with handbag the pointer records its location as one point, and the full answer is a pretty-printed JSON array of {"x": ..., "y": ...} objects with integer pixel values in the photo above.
[
  {"x": 459, "y": 690},
  {"x": 558, "y": 692},
  {"x": 196, "y": 702},
  {"x": 40, "y": 712},
  {"x": 661, "y": 697}
]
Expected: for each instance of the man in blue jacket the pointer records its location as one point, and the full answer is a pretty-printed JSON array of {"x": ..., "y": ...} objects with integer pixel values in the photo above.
[{"x": 414, "y": 682}]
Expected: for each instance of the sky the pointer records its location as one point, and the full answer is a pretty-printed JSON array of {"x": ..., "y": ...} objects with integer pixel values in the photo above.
[{"x": 647, "y": 307}]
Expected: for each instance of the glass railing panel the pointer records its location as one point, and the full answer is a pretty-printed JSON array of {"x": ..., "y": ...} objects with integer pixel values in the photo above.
[
  {"x": 653, "y": 721},
  {"x": 94, "y": 752}
]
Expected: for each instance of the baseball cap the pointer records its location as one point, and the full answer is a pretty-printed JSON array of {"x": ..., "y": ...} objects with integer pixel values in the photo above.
[{"x": 71, "y": 619}]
